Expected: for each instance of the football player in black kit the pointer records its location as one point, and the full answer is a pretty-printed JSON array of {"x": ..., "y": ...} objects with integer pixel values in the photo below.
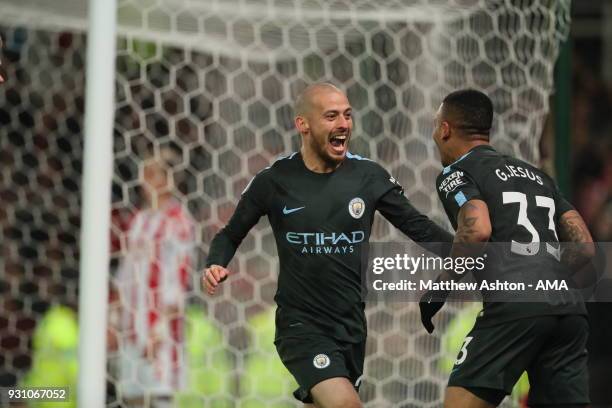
[
  {"x": 320, "y": 202},
  {"x": 492, "y": 197}
]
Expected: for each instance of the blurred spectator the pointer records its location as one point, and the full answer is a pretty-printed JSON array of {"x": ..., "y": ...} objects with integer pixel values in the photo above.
[
  {"x": 265, "y": 382},
  {"x": 591, "y": 104},
  {"x": 148, "y": 315},
  {"x": 593, "y": 186},
  {"x": 602, "y": 228},
  {"x": 1, "y": 46},
  {"x": 210, "y": 380},
  {"x": 55, "y": 356}
]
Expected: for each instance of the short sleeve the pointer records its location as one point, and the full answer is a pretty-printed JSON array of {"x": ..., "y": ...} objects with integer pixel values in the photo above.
[
  {"x": 456, "y": 188},
  {"x": 561, "y": 204}
]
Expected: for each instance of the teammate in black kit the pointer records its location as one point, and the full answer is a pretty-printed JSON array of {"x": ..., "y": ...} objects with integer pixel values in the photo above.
[
  {"x": 320, "y": 202},
  {"x": 492, "y": 197}
]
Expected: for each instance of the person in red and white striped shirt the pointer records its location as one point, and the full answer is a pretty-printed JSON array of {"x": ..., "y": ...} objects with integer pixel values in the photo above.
[{"x": 151, "y": 286}]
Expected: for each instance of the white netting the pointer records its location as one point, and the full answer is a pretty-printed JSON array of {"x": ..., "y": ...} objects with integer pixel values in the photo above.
[{"x": 214, "y": 81}]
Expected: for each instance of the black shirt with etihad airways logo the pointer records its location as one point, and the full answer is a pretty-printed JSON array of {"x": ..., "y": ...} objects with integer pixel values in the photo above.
[
  {"x": 524, "y": 208},
  {"x": 322, "y": 223}
]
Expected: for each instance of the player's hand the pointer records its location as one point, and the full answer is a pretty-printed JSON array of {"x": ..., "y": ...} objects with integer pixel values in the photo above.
[
  {"x": 431, "y": 302},
  {"x": 154, "y": 345},
  {"x": 214, "y": 275}
]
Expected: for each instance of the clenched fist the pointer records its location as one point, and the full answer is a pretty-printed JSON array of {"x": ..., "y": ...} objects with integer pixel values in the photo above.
[{"x": 213, "y": 275}]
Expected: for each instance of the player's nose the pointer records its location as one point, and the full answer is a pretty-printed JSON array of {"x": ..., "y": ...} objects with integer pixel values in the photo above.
[{"x": 343, "y": 123}]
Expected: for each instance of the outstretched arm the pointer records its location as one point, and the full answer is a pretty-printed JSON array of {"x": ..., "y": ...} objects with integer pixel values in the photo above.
[{"x": 396, "y": 208}]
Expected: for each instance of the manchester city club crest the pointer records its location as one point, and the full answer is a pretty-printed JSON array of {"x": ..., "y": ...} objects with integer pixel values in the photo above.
[
  {"x": 321, "y": 361},
  {"x": 356, "y": 207}
]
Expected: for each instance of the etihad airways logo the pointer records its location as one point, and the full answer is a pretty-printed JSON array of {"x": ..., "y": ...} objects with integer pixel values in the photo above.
[{"x": 326, "y": 243}]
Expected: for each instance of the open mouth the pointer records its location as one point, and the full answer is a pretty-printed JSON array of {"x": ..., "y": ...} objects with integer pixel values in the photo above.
[{"x": 338, "y": 142}]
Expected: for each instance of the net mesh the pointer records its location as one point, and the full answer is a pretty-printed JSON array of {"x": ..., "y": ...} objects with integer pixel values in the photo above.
[{"x": 213, "y": 83}]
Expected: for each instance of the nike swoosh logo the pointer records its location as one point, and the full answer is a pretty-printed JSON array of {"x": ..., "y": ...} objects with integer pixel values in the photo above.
[{"x": 291, "y": 210}]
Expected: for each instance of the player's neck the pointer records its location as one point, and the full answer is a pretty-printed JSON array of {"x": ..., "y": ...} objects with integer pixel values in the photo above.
[
  {"x": 315, "y": 163},
  {"x": 464, "y": 148},
  {"x": 159, "y": 200}
]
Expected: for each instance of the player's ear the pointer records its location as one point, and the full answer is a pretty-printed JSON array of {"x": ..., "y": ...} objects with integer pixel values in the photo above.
[
  {"x": 301, "y": 124},
  {"x": 444, "y": 131}
]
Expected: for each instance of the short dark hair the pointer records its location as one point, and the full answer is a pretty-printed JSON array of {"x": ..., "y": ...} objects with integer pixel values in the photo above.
[{"x": 469, "y": 110}]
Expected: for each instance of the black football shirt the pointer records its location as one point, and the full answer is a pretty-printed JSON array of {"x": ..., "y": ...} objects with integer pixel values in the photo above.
[
  {"x": 524, "y": 208},
  {"x": 322, "y": 223}
]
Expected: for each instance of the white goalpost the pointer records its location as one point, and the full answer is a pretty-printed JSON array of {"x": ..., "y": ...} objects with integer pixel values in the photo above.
[{"x": 95, "y": 219}]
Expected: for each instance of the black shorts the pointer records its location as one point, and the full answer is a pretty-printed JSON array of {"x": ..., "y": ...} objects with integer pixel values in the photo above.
[
  {"x": 312, "y": 358},
  {"x": 552, "y": 349}
]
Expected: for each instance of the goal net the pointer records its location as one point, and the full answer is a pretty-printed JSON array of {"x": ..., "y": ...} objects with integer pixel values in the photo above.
[{"x": 207, "y": 87}]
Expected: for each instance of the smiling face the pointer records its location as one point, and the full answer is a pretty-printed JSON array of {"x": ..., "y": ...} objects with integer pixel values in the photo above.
[
  {"x": 331, "y": 124},
  {"x": 325, "y": 121}
]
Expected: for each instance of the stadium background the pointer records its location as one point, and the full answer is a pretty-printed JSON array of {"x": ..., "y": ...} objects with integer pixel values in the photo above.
[{"x": 215, "y": 83}]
